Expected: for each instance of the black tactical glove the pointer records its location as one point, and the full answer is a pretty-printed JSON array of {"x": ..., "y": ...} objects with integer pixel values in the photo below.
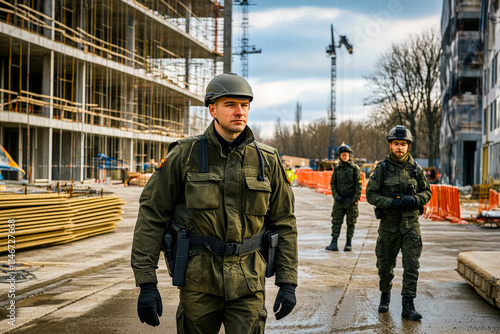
[
  {"x": 285, "y": 298},
  {"x": 397, "y": 203},
  {"x": 409, "y": 201},
  {"x": 339, "y": 199},
  {"x": 149, "y": 306}
]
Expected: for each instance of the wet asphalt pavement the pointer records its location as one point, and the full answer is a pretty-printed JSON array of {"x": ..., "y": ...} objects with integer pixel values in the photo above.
[{"x": 337, "y": 293}]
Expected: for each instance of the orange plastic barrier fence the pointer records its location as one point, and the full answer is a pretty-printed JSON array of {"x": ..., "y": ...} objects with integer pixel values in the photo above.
[
  {"x": 444, "y": 204},
  {"x": 321, "y": 181},
  {"x": 494, "y": 199},
  {"x": 363, "y": 188}
]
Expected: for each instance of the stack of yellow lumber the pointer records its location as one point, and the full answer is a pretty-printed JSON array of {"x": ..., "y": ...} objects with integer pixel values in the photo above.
[{"x": 48, "y": 219}]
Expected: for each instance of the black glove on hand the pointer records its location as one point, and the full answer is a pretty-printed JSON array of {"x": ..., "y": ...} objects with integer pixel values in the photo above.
[
  {"x": 409, "y": 201},
  {"x": 285, "y": 298},
  {"x": 397, "y": 203},
  {"x": 339, "y": 199},
  {"x": 149, "y": 306}
]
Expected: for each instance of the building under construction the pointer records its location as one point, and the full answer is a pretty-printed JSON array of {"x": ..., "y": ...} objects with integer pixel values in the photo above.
[
  {"x": 92, "y": 88},
  {"x": 461, "y": 84},
  {"x": 491, "y": 98}
]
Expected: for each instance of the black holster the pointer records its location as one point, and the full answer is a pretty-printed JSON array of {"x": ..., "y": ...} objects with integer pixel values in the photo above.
[
  {"x": 269, "y": 244},
  {"x": 379, "y": 213},
  {"x": 175, "y": 246},
  {"x": 168, "y": 247}
]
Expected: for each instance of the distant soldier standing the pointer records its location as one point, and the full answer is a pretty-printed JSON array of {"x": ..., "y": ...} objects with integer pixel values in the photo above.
[
  {"x": 399, "y": 189},
  {"x": 225, "y": 199},
  {"x": 346, "y": 184}
]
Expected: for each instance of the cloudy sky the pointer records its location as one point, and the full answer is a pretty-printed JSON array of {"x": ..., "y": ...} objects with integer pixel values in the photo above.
[{"x": 294, "y": 67}]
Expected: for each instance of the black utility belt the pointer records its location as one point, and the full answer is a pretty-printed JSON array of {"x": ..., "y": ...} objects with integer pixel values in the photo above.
[
  {"x": 178, "y": 242},
  {"x": 216, "y": 246}
]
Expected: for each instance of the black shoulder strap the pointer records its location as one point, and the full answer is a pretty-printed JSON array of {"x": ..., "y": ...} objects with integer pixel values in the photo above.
[
  {"x": 260, "y": 177},
  {"x": 415, "y": 169},
  {"x": 385, "y": 169},
  {"x": 203, "y": 154}
]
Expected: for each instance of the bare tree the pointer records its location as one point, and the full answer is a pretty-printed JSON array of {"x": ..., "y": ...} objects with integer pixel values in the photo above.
[{"x": 405, "y": 87}]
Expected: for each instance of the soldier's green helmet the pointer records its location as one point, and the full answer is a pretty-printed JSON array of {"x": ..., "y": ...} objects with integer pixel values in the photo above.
[
  {"x": 400, "y": 132},
  {"x": 343, "y": 148},
  {"x": 227, "y": 84}
]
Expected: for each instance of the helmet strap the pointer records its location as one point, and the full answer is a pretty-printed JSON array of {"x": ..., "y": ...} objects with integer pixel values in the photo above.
[{"x": 217, "y": 121}]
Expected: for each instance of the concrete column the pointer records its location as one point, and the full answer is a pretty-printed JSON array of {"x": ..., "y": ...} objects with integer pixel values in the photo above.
[
  {"x": 82, "y": 156},
  {"x": 47, "y": 69},
  {"x": 20, "y": 162},
  {"x": 132, "y": 163},
  {"x": 130, "y": 107},
  {"x": 80, "y": 87},
  {"x": 2, "y": 84},
  {"x": 41, "y": 150},
  {"x": 131, "y": 39},
  {"x": 49, "y": 154},
  {"x": 186, "y": 117},
  {"x": 228, "y": 45},
  {"x": 33, "y": 154},
  {"x": 47, "y": 10}
]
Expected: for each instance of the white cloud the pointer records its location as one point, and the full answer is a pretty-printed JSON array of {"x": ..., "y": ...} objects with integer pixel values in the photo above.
[{"x": 279, "y": 16}]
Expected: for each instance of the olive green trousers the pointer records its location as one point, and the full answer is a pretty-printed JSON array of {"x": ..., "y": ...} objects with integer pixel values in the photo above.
[{"x": 202, "y": 313}]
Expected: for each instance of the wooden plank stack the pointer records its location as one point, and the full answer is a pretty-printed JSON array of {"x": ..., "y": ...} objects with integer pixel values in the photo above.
[{"x": 51, "y": 218}]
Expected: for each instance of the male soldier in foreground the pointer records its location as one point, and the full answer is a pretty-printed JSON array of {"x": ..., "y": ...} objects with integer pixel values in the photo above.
[
  {"x": 220, "y": 192},
  {"x": 399, "y": 189},
  {"x": 346, "y": 184}
]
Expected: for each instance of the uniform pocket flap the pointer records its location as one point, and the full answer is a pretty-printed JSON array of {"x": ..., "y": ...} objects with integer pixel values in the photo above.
[
  {"x": 203, "y": 177},
  {"x": 255, "y": 184}
]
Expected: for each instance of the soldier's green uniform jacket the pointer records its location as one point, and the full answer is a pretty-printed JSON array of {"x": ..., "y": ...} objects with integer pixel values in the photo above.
[
  {"x": 346, "y": 182},
  {"x": 383, "y": 189},
  {"x": 228, "y": 202}
]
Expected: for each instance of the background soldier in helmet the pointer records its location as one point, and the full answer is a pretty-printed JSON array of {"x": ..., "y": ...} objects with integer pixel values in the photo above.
[
  {"x": 399, "y": 189},
  {"x": 221, "y": 192},
  {"x": 346, "y": 184}
]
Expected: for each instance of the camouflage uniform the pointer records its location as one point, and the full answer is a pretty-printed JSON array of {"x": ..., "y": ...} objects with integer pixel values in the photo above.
[
  {"x": 399, "y": 228},
  {"x": 229, "y": 203},
  {"x": 346, "y": 182}
]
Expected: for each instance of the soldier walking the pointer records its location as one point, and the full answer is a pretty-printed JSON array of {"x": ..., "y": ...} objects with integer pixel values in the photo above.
[
  {"x": 399, "y": 189},
  {"x": 218, "y": 193},
  {"x": 346, "y": 184}
]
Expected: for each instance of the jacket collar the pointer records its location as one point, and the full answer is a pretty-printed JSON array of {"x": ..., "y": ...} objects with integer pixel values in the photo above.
[{"x": 223, "y": 146}]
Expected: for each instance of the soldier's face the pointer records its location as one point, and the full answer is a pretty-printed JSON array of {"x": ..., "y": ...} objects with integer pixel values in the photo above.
[
  {"x": 399, "y": 148},
  {"x": 344, "y": 156},
  {"x": 232, "y": 116}
]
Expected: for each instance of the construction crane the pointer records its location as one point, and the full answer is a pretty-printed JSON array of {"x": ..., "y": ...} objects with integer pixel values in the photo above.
[
  {"x": 245, "y": 48},
  {"x": 331, "y": 51}
]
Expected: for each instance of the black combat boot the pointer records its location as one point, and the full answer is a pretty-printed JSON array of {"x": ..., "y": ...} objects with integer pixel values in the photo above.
[
  {"x": 348, "y": 245},
  {"x": 385, "y": 299},
  {"x": 409, "y": 310},
  {"x": 333, "y": 246}
]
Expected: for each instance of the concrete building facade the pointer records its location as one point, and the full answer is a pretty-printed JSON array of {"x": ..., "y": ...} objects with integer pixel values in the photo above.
[
  {"x": 91, "y": 88},
  {"x": 490, "y": 29},
  {"x": 461, "y": 84}
]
